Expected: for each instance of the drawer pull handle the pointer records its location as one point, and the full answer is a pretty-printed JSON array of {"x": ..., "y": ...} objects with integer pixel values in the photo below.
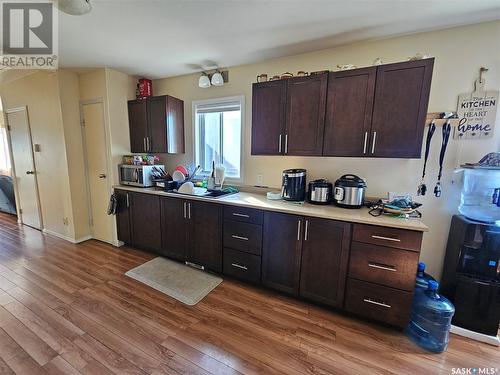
[
  {"x": 240, "y": 215},
  {"x": 386, "y": 238},
  {"x": 239, "y": 237},
  {"x": 382, "y": 267},
  {"x": 239, "y": 266},
  {"x": 368, "y": 300}
]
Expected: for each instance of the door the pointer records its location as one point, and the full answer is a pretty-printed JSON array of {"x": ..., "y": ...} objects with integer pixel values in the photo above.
[
  {"x": 205, "y": 234},
  {"x": 325, "y": 253},
  {"x": 138, "y": 125},
  {"x": 24, "y": 167},
  {"x": 123, "y": 216},
  {"x": 95, "y": 146},
  {"x": 157, "y": 124},
  {"x": 268, "y": 117},
  {"x": 305, "y": 115},
  {"x": 349, "y": 112},
  {"x": 175, "y": 126},
  {"x": 145, "y": 221},
  {"x": 281, "y": 251},
  {"x": 174, "y": 226},
  {"x": 400, "y": 108}
]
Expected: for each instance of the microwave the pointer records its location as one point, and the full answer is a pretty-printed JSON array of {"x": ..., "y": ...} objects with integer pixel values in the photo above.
[{"x": 137, "y": 175}]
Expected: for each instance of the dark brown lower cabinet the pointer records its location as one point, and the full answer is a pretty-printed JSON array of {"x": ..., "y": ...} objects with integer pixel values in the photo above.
[
  {"x": 174, "y": 228},
  {"x": 281, "y": 250},
  {"x": 123, "y": 216},
  {"x": 325, "y": 255},
  {"x": 145, "y": 224},
  {"x": 205, "y": 234}
]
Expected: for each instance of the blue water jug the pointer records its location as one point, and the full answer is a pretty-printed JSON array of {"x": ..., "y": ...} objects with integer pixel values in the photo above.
[
  {"x": 422, "y": 277},
  {"x": 430, "y": 319}
]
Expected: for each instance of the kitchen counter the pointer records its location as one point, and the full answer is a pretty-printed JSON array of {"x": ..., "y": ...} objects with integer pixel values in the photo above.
[{"x": 259, "y": 201}]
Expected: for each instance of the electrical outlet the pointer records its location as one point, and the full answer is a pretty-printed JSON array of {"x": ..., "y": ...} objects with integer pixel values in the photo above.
[{"x": 259, "y": 179}]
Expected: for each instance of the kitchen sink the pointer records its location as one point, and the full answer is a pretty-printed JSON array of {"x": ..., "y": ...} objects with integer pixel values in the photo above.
[{"x": 202, "y": 192}]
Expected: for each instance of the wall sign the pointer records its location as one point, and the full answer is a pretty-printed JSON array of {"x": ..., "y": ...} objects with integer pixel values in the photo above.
[{"x": 477, "y": 113}]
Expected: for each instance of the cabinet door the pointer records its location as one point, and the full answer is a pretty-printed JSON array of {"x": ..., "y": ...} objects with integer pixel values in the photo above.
[
  {"x": 325, "y": 253},
  {"x": 305, "y": 115},
  {"x": 123, "y": 216},
  {"x": 138, "y": 125},
  {"x": 281, "y": 251},
  {"x": 268, "y": 117},
  {"x": 174, "y": 228},
  {"x": 349, "y": 112},
  {"x": 400, "y": 108},
  {"x": 175, "y": 125},
  {"x": 145, "y": 221},
  {"x": 157, "y": 123},
  {"x": 205, "y": 234}
]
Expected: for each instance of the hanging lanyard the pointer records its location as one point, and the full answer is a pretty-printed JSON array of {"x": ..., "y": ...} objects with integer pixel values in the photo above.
[
  {"x": 430, "y": 133},
  {"x": 444, "y": 144}
]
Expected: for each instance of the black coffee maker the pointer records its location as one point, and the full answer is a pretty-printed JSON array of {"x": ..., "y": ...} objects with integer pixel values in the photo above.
[{"x": 293, "y": 185}]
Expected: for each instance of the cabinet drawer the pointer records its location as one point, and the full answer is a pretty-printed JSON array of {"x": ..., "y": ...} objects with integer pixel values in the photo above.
[
  {"x": 377, "y": 302},
  {"x": 384, "y": 236},
  {"x": 247, "y": 215},
  {"x": 383, "y": 265},
  {"x": 243, "y": 236},
  {"x": 241, "y": 265}
]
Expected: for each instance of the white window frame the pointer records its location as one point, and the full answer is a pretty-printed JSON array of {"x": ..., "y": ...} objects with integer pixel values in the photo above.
[{"x": 195, "y": 103}]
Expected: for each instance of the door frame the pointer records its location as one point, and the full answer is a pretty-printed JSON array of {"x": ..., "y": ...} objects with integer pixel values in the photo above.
[
  {"x": 13, "y": 167},
  {"x": 85, "y": 158}
]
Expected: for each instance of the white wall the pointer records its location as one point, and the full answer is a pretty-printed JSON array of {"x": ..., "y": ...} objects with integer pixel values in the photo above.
[{"x": 459, "y": 53}]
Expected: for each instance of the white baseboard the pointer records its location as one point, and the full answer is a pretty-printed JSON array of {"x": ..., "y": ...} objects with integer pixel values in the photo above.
[
  {"x": 492, "y": 340},
  {"x": 66, "y": 238}
]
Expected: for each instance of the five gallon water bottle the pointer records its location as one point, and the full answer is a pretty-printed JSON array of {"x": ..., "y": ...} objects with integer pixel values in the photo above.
[
  {"x": 430, "y": 319},
  {"x": 422, "y": 278}
]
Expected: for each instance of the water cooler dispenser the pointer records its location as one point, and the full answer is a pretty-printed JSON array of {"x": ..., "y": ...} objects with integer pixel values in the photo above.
[{"x": 471, "y": 269}]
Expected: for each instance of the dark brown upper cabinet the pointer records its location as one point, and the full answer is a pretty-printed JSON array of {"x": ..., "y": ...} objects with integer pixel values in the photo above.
[
  {"x": 288, "y": 116},
  {"x": 305, "y": 115},
  {"x": 349, "y": 112},
  {"x": 400, "y": 108},
  {"x": 371, "y": 112},
  {"x": 268, "y": 117},
  {"x": 156, "y": 125}
]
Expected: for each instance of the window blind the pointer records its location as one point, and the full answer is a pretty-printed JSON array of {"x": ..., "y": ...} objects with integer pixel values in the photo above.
[{"x": 218, "y": 107}]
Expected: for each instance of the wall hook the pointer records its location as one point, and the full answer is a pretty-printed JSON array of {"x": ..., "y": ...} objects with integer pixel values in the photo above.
[{"x": 481, "y": 70}]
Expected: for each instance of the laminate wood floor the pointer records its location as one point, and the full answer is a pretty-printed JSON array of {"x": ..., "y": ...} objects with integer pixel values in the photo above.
[{"x": 69, "y": 309}]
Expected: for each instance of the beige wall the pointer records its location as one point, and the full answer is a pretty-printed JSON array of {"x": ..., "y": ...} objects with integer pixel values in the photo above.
[
  {"x": 459, "y": 53},
  {"x": 69, "y": 97},
  {"x": 39, "y": 92}
]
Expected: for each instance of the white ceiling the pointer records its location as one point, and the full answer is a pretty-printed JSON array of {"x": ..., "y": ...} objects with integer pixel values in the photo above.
[{"x": 156, "y": 38}]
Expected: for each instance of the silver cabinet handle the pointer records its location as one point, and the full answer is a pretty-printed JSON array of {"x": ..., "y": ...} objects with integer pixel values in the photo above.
[
  {"x": 240, "y": 215},
  {"x": 306, "y": 230},
  {"x": 368, "y": 300},
  {"x": 144, "y": 144},
  {"x": 286, "y": 143},
  {"x": 386, "y": 238},
  {"x": 184, "y": 210},
  {"x": 128, "y": 200},
  {"x": 239, "y": 237},
  {"x": 364, "y": 143},
  {"x": 382, "y": 267},
  {"x": 298, "y": 230},
  {"x": 189, "y": 211},
  {"x": 239, "y": 266},
  {"x": 279, "y": 144},
  {"x": 149, "y": 143},
  {"x": 373, "y": 142}
]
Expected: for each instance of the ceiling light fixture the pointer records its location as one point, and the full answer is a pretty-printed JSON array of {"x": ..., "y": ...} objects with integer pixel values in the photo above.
[
  {"x": 204, "y": 81},
  {"x": 217, "y": 79},
  {"x": 74, "y": 7}
]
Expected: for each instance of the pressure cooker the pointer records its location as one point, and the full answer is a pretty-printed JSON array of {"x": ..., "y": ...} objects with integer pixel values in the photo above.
[{"x": 349, "y": 191}]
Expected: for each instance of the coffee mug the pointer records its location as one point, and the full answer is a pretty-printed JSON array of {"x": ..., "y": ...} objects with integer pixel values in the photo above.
[
  {"x": 262, "y": 78},
  {"x": 301, "y": 73},
  {"x": 286, "y": 75},
  {"x": 274, "y": 78}
]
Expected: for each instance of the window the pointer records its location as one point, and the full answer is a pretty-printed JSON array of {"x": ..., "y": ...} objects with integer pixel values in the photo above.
[{"x": 217, "y": 129}]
